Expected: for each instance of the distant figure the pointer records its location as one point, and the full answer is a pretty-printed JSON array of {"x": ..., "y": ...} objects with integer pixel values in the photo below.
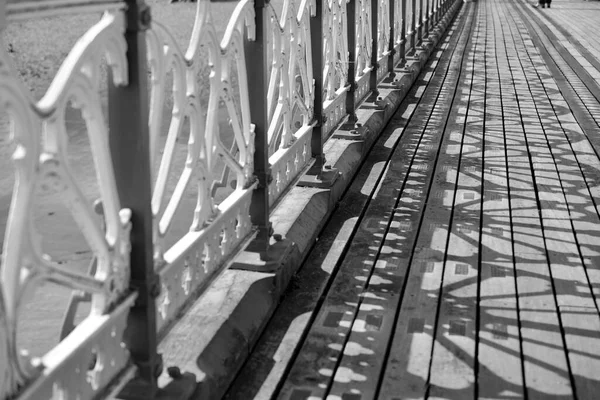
[{"x": 543, "y": 3}]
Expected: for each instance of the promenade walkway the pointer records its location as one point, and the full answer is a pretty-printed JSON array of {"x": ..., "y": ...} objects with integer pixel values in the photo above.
[{"x": 464, "y": 260}]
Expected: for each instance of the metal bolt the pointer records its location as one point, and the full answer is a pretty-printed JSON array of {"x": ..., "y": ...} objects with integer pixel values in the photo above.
[
  {"x": 155, "y": 289},
  {"x": 174, "y": 372},
  {"x": 145, "y": 17},
  {"x": 99, "y": 207}
]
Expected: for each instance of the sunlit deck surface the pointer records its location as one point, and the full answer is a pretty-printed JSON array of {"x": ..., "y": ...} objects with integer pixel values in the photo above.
[{"x": 464, "y": 260}]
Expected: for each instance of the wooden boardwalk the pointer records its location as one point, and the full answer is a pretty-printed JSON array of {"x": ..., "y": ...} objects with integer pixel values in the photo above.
[{"x": 464, "y": 261}]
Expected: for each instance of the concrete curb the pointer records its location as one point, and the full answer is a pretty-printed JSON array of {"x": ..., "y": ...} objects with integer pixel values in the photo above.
[{"x": 217, "y": 333}]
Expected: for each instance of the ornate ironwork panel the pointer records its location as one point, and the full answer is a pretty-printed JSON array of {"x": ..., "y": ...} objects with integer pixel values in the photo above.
[
  {"x": 92, "y": 355},
  {"x": 383, "y": 37},
  {"x": 217, "y": 162},
  {"x": 335, "y": 63},
  {"x": 291, "y": 92}
]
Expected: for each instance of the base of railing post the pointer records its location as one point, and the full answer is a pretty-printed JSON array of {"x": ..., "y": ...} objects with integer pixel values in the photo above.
[
  {"x": 139, "y": 388},
  {"x": 351, "y": 119},
  {"x": 181, "y": 387},
  {"x": 319, "y": 177},
  {"x": 270, "y": 261}
]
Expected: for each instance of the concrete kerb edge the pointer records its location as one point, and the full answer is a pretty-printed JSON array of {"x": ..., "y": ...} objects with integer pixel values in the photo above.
[{"x": 237, "y": 336}]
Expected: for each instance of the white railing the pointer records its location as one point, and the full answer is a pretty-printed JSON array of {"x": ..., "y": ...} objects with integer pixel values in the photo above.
[
  {"x": 364, "y": 48},
  {"x": 92, "y": 356},
  {"x": 399, "y": 24},
  {"x": 203, "y": 140},
  {"x": 410, "y": 23},
  {"x": 290, "y": 92},
  {"x": 335, "y": 62},
  {"x": 216, "y": 229},
  {"x": 383, "y": 37}
]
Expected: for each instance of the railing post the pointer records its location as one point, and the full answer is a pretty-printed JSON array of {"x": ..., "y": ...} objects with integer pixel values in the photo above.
[
  {"x": 129, "y": 145},
  {"x": 420, "y": 23},
  {"x": 413, "y": 31},
  {"x": 374, "y": 44},
  {"x": 403, "y": 34},
  {"x": 427, "y": 19},
  {"x": 316, "y": 37},
  {"x": 350, "y": 97},
  {"x": 257, "y": 69},
  {"x": 392, "y": 45}
]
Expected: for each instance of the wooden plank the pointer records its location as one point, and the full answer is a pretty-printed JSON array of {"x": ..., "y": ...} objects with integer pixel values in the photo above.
[
  {"x": 545, "y": 366},
  {"x": 452, "y": 371},
  {"x": 578, "y": 313},
  {"x": 577, "y": 310},
  {"x": 407, "y": 367},
  {"x": 582, "y": 167},
  {"x": 580, "y": 157},
  {"x": 275, "y": 351},
  {"x": 499, "y": 349},
  {"x": 366, "y": 348},
  {"x": 326, "y": 338}
]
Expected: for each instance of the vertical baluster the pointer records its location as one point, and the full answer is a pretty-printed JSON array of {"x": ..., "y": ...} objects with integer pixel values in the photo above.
[
  {"x": 350, "y": 98},
  {"x": 129, "y": 144},
  {"x": 443, "y": 9},
  {"x": 392, "y": 45},
  {"x": 316, "y": 36},
  {"x": 374, "y": 43},
  {"x": 419, "y": 23},
  {"x": 403, "y": 33},
  {"x": 413, "y": 31},
  {"x": 258, "y": 82},
  {"x": 433, "y": 14},
  {"x": 427, "y": 18}
]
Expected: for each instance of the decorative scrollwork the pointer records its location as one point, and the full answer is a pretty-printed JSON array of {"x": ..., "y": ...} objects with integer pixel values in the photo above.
[
  {"x": 398, "y": 20},
  {"x": 383, "y": 37},
  {"x": 216, "y": 228},
  {"x": 335, "y": 48},
  {"x": 363, "y": 38},
  {"x": 410, "y": 18},
  {"x": 291, "y": 90},
  {"x": 205, "y": 145},
  {"x": 41, "y": 163},
  {"x": 290, "y": 99},
  {"x": 383, "y": 29}
]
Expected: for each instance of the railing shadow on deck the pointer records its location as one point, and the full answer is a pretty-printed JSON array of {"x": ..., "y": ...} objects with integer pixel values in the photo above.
[
  {"x": 526, "y": 265},
  {"x": 285, "y": 80}
]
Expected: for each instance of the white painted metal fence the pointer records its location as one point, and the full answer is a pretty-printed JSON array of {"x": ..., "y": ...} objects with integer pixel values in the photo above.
[{"x": 95, "y": 358}]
